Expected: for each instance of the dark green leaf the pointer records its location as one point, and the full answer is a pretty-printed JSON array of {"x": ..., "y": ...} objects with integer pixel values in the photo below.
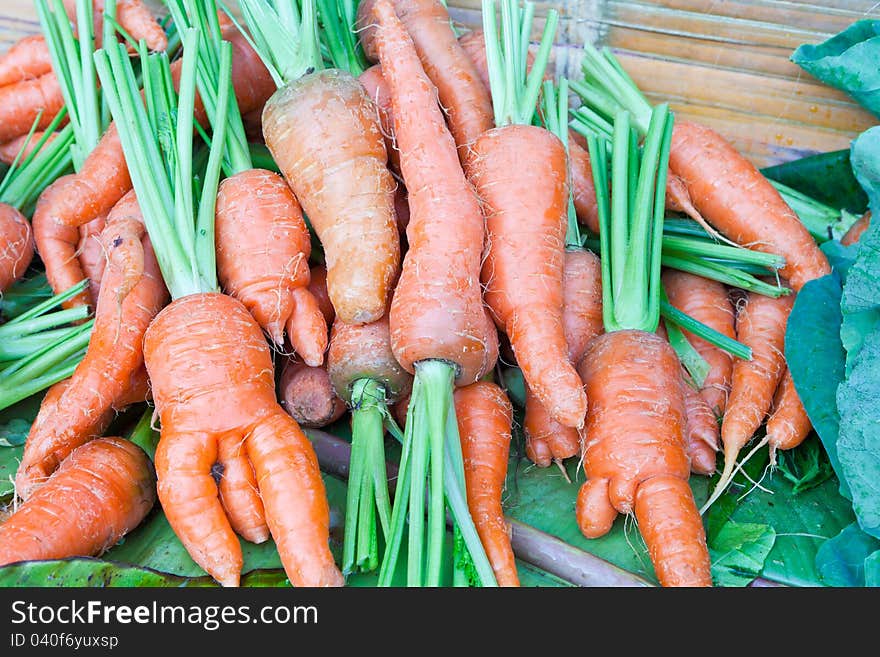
[
  {"x": 82, "y": 572},
  {"x": 14, "y": 432},
  {"x": 816, "y": 358},
  {"x": 806, "y": 466},
  {"x": 847, "y": 61},
  {"x": 826, "y": 177},
  {"x": 872, "y": 570},
  {"x": 864, "y": 152},
  {"x": 839, "y": 256},
  {"x": 841, "y": 560},
  {"x": 858, "y": 447},
  {"x": 23, "y": 412},
  {"x": 739, "y": 551}
]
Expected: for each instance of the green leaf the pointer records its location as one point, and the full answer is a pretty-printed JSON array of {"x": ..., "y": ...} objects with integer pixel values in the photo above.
[
  {"x": 739, "y": 551},
  {"x": 858, "y": 447},
  {"x": 826, "y": 177},
  {"x": 816, "y": 358},
  {"x": 864, "y": 152},
  {"x": 805, "y": 466},
  {"x": 18, "y": 414},
  {"x": 841, "y": 560},
  {"x": 847, "y": 61},
  {"x": 839, "y": 256},
  {"x": 872, "y": 570},
  {"x": 14, "y": 432},
  {"x": 84, "y": 572}
]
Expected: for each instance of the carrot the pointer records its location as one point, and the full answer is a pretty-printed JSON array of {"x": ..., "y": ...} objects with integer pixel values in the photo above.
[
  {"x": 318, "y": 289},
  {"x": 263, "y": 250},
  {"x": 525, "y": 210},
  {"x": 26, "y": 59},
  {"x": 377, "y": 89},
  {"x": 131, "y": 294},
  {"x": 24, "y": 144},
  {"x": 465, "y": 100},
  {"x": 91, "y": 253},
  {"x": 706, "y": 301},
  {"x": 17, "y": 245},
  {"x": 323, "y": 132},
  {"x": 307, "y": 394},
  {"x": 237, "y": 487},
  {"x": 788, "y": 424},
  {"x": 133, "y": 15},
  {"x": 855, "y": 232},
  {"x": 440, "y": 330},
  {"x": 701, "y": 430},
  {"x": 484, "y": 421},
  {"x": 205, "y": 351},
  {"x": 23, "y": 103},
  {"x": 760, "y": 324},
  {"x": 401, "y": 209},
  {"x": 546, "y": 439},
  {"x": 737, "y": 200},
  {"x": 364, "y": 372},
  {"x": 634, "y": 455},
  {"x": 100, "y": 493}
]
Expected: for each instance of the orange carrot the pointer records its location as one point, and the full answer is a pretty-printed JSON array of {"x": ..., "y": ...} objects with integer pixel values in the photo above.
[
  {"x": 437, "y": 311},
  {"x": 760, "y": 324},
  {"x": 91, "y": 254},
  {"x": 634, "y": 453},
  {"x": 546, "y": 439},
  {"x": 307, "y": 394},
  {"x": 237, "y": 485},
  {"x": 737, "y": 200},
  {"x": 101, "y": 492},
  {"x": 377, "y": 89},
  {"x": 133, "y": 15},
  {"x": 525, "y": 210},
  {"x": 57, "y": 243},
  {"x": 701, "y": 430},
  {"x": 706, "y": 301},
  {"x": 10, "y": 150},
  {"x": 22, "y": 102},
  {"x": 788, "y": 424},
  {"x": 318, "y": 288},
  {"x": 131, "y": 294},
  {"x": 464, "y": 98},
  {"x": 191, "y": 381},
  {"x": 26, "y": 59},
  {"x": 484, "y": 420},
  {"x": 17, "y": 247},
  {"x": 263, "y": 250},
  {"x": 855, "y": 232},
  {"x": 323, "y": 132}
]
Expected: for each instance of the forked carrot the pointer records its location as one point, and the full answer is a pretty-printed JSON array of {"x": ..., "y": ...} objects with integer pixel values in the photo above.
[{"x": 26, "y": 59}]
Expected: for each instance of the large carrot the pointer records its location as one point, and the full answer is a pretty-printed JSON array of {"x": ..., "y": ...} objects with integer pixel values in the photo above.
[
  {"x": 205, "y": 351},
  {"x": 525, "y": 209},
  {"x": 26, "y": 59},
  {"x": 439, "y": 328},
  {"x": 484, "y": 420},
  {"x": 635, "y": 455},
  {"x": 708, "y": 302},
  {"x": 100, "y": 493},
  {"x": 365, "y": 373},
  {"x": 323, "y": 131},
  {"x": 132, "y": 293},
  {"x": 760, "y": 324},
  {"x": 17, "y": 248},
  {"x": 465, "y": 100}
]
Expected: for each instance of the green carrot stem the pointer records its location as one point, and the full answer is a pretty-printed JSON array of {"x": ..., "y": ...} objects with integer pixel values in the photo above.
[
  {"x": 694, "y": 363},
  {"x": 17, "y": 330},
  {"x": 723, "y": 274},
  {"x": 43, "y": 306},
  {"x": 143, "y": 434},
  {"x": 21, "y": 347},
  {"x": 822, "y": 221},
  {"x": 337, "y": 20},
  {"x": 708, "y": 248},
  {"x": 48, "y": 357},
  {"x": 710, "y": 335},
  {"x": 10, "y": 395}
]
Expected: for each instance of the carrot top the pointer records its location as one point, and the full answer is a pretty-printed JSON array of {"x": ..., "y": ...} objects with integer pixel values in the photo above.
[
  {"x": 337, "y": 18},
  {"x": 514, "y": 87}
]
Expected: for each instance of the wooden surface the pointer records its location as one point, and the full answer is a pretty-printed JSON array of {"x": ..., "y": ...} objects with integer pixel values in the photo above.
[{"x": 722, "y": 62}]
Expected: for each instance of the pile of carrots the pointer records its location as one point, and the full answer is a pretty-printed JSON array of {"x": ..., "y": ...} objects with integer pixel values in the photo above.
[{"x": 421, "y": 224}]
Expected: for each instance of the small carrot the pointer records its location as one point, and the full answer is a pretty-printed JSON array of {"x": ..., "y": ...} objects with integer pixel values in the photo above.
[
  {"x": 239, "y": 493},
  {"x": 24, "y": 144},
  {"x": 91, "y": 254},
  {"x": 131, "y": 295},
  {"x": 103, "y": 490},
  {"x": 465, "y": 100},
  {"x": 708, "y": 302},
  {"x": 701, "y": 430},
  {"x": 484, "y": 421},
  {"x": 377, "y": 90},
  {"x": 23, "y": 103},
  {"x": 17, "y": 248},
  {"x": 318, "y": 288},
  {"x": 760, "y": 324},
  {"x": 133, "y": 15},
  {"x": 788, "y": 424},
  {"x": 855, "y": 232},
  {"x": 307, "y": 394},
  {"x": 26, "y": 59}
]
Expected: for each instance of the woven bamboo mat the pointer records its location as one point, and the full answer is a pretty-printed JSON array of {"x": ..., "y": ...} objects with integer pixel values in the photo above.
[{"x": 721, "y": 62}]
